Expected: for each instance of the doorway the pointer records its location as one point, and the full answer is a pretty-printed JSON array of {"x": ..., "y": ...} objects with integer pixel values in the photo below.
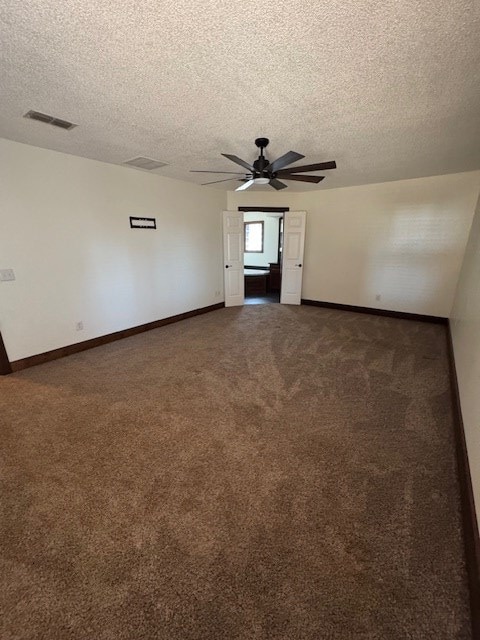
[
  {"x": 262, "y": 242},
  {"x": 255, "y": 273}
]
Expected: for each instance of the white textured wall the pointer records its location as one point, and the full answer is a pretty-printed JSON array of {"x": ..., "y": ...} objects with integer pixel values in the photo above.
[
  {"x": 403, "y": 241},
  {"x": 64, "y": 229},
  {"x": 270, "y": 240},
  {"x": 465, "y": 325}
]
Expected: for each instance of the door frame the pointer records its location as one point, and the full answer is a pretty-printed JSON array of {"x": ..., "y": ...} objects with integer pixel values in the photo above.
[
  {"x": 266, "y": 210},
  {"x": 5, "y": 366},
  {"x": 262, "y": 209}
]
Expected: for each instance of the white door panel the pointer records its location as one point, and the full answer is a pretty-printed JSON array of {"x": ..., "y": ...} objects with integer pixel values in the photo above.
[
  {"x": 292, "y": 263},
  {"x": 233, "y": 258},
  {"x": 234, "y": 250},
  {"x": 292, "y": 281}
]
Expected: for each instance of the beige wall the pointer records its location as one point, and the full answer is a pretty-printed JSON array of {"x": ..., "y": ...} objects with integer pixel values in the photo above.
[
  {"x": 403, "y": 241},
  {"x": 64, "y": 229},
  {"x": 465, "y": 325}
]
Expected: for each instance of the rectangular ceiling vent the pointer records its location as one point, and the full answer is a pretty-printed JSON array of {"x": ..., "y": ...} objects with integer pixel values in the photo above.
[
  {"x": 43, "y": 117},
  {"x": 145, "y": 163}
]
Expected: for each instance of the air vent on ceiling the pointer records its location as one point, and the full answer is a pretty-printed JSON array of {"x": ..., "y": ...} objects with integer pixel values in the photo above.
[
  {"x": 145, "y": 163},
  {"x": 43, "y": 117}
]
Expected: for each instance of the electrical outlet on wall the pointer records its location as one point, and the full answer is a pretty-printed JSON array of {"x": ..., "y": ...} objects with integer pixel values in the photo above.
[
  {"x": 378, "y": 297},
  {"x": 218, "y": 294},
  {"x": 7, "y": 274},
  {"x": 79, "y": 326}
]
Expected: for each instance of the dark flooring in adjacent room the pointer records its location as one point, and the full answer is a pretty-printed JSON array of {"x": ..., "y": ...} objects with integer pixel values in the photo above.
[
  {"x": 268, "y": 298},
  {"x": 264, "y": 472}
]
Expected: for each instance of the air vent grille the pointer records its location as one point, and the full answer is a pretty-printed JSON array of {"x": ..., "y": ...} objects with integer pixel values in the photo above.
[
  {"x": 145, "y": 163},
  {"x": 43, "y": 117}
]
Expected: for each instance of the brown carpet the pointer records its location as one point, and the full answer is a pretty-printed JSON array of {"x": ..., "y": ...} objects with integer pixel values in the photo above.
[{"x": 265, "y": 472}]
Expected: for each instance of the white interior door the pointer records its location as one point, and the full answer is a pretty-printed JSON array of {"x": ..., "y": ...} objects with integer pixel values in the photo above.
[
  {"x": 292, "y": 262},
  {"x": 233, "y": 258}
]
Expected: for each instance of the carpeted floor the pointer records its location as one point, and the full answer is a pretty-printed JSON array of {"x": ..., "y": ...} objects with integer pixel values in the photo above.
[{"x": 258, "y": 473}]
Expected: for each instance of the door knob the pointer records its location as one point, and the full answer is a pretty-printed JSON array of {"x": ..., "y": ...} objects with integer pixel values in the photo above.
[
  {"x": 227, "y": 265},
  {"x": 298, "y": 265}
]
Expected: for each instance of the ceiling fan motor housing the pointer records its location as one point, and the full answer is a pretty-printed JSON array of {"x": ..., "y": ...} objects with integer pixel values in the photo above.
[{"x": 261, "y": 164}]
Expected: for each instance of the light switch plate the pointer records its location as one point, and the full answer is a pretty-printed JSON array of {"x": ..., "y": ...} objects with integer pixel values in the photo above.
[{"x": 6, "y": 275}]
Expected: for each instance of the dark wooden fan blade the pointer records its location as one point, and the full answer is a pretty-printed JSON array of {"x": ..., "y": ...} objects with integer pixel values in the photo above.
[
  {"x": 320, "y": 166},
  {"x": 239, "y": 161},
  {"x": 231, "y": 172},
  {"x": 287, "y": 158},
  {"x": 215, "y": 181},
  {"x": 315, "y": 179},
  {"x": 276, "y": 184}
]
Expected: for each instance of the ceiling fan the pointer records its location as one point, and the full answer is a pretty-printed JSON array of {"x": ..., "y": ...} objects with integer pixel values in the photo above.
[{"x": 264, "y": 172}]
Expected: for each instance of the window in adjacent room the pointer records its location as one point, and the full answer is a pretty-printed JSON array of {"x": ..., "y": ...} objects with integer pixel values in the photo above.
[{"x": 253, "y": 237}]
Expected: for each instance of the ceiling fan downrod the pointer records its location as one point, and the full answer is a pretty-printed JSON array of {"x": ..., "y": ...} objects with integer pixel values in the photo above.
[{"x": 261, "y": 163}]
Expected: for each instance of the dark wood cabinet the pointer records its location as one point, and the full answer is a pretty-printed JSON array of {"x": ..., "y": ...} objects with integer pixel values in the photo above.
[
  {"x": 255, "y": 282},
  {"x": 275, "y": 277}
]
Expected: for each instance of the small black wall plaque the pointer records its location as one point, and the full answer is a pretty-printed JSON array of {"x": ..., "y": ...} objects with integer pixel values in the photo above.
[{"x": 143, "y": 223}]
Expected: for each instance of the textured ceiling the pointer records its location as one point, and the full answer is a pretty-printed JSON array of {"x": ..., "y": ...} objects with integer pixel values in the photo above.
[{"x": 388, "y": 89}]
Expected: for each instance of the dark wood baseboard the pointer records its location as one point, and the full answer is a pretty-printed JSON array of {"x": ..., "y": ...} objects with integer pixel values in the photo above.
[
  {"x": 377, "y": 312},
  {"x": 469, "y": 517},
  {"x": 41, "y": 358},
  {"x": 5, "y": 367}
]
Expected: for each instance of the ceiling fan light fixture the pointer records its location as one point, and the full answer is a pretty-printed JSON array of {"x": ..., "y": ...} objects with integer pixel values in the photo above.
[{"x": 272, "y": 173}]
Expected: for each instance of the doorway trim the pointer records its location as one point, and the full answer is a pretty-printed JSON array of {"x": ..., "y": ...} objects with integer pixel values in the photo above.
[
  {"x": 264, "y": 209},
  {"x": 5, "y": 366}
]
